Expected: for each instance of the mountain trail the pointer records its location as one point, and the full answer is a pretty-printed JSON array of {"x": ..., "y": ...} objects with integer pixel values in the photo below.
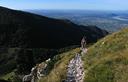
[{"x": 75, "y": 71}]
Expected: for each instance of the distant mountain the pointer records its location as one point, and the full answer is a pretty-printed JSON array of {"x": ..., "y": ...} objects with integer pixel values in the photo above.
[
  {"x": 22, "y": 29},
  {"x": 109, "y": 20}
]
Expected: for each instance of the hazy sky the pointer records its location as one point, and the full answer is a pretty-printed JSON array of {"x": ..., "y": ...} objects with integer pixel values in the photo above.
[{"x": 66, "y": 4}]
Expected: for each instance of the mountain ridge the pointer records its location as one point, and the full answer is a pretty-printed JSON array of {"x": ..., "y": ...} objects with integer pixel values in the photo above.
[{"x": 31, "y": 30}]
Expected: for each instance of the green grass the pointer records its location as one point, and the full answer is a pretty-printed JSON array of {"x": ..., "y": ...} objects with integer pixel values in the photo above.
[
  {"x": 11, "y": 77},
  {"x": 7, "y": 76},
  {"x": 107, "y": 60},
  {"x": 58, "y": 72}
]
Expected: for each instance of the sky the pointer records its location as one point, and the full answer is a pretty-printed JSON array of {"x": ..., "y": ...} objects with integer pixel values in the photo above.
[{"x": 66, "y": 4}]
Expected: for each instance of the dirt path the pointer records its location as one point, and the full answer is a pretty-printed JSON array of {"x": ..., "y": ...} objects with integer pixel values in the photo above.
[{"x": 75, "y": 71}]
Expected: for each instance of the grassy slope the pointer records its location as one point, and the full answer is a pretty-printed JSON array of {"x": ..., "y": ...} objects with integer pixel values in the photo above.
[
  {"x": 58, "y": 72},
  {"x": 107, "y": 60}
]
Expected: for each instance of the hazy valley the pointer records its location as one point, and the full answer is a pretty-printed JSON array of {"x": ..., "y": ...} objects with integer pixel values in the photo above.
[{"x": 108, "y": 20}]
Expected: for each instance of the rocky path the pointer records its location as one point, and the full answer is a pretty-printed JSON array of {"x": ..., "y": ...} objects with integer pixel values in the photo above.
[{"x": 75, "y": 71}]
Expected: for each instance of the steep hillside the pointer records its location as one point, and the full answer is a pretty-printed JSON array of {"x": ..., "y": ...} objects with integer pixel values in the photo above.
[
  {"x": 22, "y": 29},
  {"x": 107, "y": 60},
  {"x": 59, "y": 69},
  {"x": 56, "y": 70},
  {"x": 23, "y": 59}
]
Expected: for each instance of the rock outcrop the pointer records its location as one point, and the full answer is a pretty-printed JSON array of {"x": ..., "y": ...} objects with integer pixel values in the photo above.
[{"x": 36, "y": 72}]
